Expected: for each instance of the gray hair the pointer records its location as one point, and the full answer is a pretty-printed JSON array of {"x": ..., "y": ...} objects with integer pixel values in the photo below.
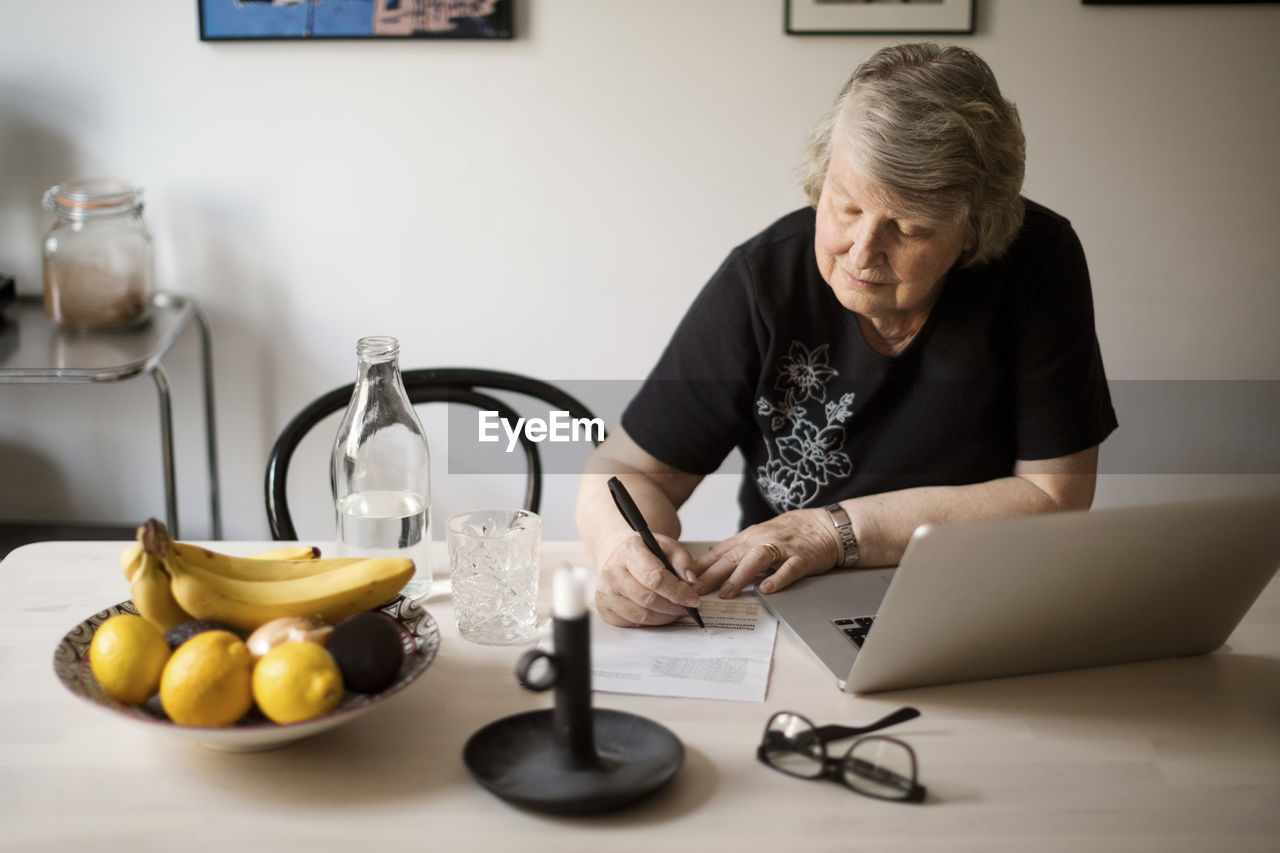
[{"x": 930, "y": 126}]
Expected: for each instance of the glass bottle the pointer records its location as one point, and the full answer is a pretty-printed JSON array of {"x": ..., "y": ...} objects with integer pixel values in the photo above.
[
  {"x": 381, "y": 468},
  {"x": 98, "y": 256}
]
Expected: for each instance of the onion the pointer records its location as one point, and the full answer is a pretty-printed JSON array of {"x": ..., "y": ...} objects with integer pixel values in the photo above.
[{"x": 287, "y": 629}]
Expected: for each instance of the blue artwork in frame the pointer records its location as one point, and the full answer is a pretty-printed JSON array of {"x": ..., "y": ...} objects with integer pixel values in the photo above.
[{"x": 238, "y": 20}]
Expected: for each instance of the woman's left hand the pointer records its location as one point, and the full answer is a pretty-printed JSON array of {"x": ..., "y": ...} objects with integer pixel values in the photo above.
[{"x": 806, "y": 543}]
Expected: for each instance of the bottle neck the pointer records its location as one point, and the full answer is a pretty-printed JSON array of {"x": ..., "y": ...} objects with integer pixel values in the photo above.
[
  {"x": 380, "y": 444},
  {"x": 378, "y": 349},
  {"x": 379, "y": 358}
]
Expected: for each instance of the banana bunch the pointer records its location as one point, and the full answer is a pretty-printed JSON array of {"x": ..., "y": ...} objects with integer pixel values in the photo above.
[
  {"x": 173, "y": 582},
  {"x": 150, "y": 584}
]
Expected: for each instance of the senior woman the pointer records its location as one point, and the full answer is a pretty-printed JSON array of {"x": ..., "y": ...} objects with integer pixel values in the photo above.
[{"x": 917, "y": 346}]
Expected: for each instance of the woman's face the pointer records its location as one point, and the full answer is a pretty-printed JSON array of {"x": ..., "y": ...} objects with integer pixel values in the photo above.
[{"x": 879, "y": 262}]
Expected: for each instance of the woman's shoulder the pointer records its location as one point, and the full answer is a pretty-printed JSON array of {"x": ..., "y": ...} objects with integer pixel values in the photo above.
[
  {"x": 1043, "y": 227},
  {"x": 1044, "y": 267},
  {"x": 781, "y": 254},
  {"x": 783, "y": 234},
  {"x": 1046, "y": 250}
]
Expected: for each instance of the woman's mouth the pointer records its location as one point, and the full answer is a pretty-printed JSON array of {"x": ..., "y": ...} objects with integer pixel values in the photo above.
[{"x": 864, "y": 283}]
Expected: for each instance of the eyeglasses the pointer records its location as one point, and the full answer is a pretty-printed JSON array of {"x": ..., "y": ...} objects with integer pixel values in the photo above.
[{"x": 877, "y": 766}]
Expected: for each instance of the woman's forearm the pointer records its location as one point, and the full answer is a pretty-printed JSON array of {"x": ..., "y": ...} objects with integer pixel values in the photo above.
[{"x": 884, "y": 523}]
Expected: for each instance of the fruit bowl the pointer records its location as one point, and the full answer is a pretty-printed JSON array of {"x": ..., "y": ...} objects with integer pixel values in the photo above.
[{"x": 254, "y": 732}]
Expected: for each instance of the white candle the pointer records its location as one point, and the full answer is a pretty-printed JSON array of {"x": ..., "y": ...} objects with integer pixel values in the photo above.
[{"x": 569, "y": 600}]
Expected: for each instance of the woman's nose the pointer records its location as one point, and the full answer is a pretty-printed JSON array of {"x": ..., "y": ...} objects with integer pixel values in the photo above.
[{"x": 865, "y": 245}]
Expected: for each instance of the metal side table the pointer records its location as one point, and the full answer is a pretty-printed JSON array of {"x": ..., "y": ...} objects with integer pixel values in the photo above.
[{"x": 33, "y": 349}]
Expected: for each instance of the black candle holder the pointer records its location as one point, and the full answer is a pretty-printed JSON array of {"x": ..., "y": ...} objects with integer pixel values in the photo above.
[{"x": 572, "y": 758}]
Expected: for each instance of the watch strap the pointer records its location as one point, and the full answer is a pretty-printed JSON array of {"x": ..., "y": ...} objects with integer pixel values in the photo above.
[{"x": 844, "y": 527}]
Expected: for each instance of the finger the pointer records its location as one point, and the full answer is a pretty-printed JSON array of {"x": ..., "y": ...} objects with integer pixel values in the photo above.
[
  {"x": 754, "y": 536},
  {"x": 649, "y": 572},
  {"x": 715, "y": 572},
  {"x": 621, "y": 601},
  {"x": 791, "y": 570},
  {"x": 747, "y": 561},
  {"x": 709, "y": 557},
  {"x": 614, "y": 611},
  {"x": 651, "y": 601},
  {"x": 735, "y": 569},
  {"x": 682, "y": 561},
  {"x": 625, "y": 613},
  {"x": 646, "y": 582},
  {"x": 754, "y": 562}
]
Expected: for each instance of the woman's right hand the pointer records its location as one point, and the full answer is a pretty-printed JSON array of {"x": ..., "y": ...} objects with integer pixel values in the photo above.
[{"x": 634, "y": 588}]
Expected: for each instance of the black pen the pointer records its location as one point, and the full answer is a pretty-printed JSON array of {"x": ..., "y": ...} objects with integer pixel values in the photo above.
[{"x": 631, "y": 513}]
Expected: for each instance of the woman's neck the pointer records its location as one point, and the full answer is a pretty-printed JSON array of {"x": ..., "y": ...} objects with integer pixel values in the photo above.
[{"x": 891, "y": 335}]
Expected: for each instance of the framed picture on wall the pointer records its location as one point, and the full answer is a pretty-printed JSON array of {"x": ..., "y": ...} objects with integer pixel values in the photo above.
[
  {"x": 241, "y": 20},
  {"x": 867, "y": 17},
  {"x": 1169, "y": 2}
]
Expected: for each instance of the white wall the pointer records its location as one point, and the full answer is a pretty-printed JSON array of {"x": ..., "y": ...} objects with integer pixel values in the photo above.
[{"x": 551, "y": 204}]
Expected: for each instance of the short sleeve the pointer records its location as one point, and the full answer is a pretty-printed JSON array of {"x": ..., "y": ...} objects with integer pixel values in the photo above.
[
  {"x": 1062, "y": 403},
  {"x": 691, "y": 411}
]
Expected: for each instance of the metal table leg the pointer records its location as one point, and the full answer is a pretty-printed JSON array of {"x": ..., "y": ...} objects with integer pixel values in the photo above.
[
  {"x": 166, "y": 450},
  {"x": 206, "y": 357}
]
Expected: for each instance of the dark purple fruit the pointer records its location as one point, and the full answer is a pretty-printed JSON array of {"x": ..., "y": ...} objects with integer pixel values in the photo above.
[
  {"x": 183, "y": 631},
  {"x": 369, "y": 651}
]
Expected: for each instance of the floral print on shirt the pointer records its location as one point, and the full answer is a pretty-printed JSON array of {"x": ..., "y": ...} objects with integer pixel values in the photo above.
[{"x": 807, "y": 438}]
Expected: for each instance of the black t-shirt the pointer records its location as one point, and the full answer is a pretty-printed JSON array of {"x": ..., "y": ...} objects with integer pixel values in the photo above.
[{"x": 1006, "y": 367}]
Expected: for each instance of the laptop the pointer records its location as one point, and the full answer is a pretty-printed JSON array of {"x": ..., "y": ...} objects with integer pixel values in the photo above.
[{"x": 986, "y": 599}]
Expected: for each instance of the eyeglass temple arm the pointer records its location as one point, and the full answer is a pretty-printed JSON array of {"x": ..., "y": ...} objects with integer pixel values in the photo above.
[
  {"x": 912, "y": 791},
  {"x": 827, "y": 733}
]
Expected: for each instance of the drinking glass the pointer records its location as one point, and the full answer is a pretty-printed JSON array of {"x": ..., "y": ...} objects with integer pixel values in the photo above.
[{"x": 493, "y": 565}]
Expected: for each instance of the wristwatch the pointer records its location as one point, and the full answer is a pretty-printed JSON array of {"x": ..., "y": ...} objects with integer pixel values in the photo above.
[{"x": 844, "y": 527}]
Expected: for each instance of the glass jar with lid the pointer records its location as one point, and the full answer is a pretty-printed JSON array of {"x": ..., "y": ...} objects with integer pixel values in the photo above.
[{"x": 99, "y": 267}]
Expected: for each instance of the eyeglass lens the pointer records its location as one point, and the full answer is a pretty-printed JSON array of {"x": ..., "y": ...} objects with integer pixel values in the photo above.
[
  {"x": 880, "y": 767},
  {"x": 790, "y": 746}
]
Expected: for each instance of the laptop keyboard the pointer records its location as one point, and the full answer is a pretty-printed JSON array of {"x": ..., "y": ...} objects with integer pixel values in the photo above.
[{"x": 855, "y": 628}]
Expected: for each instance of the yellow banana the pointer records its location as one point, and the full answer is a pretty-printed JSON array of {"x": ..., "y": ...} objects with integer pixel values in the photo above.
[
  {"x": 253, "y": 568},
  {"x": 295, "y": 552},
  {"x": 154, "y": 537},
  {"x": 332, "y": 596},
  {"x": 131, "y": 560},
  {"x": 153, "y": 594}
]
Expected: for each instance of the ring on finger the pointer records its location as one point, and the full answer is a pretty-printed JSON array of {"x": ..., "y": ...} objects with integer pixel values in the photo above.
[{"x": 775, "y": 553}]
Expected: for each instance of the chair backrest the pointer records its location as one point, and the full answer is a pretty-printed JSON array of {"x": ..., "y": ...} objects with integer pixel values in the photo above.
[{"x": 425, "y": 385}]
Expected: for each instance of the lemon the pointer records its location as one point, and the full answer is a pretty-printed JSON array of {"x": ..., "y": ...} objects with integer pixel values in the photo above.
[
  {"x": 208, "y": 680},
  {"x": 297, "y": 681},
  {"x": 127, "y": 655}
]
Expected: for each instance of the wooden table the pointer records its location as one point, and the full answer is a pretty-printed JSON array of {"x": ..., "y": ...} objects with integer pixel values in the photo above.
[{"x": 1178, "y": 755}]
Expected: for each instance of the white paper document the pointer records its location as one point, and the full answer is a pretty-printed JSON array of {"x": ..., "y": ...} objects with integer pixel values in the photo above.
[{"x": 730, "y": 661}]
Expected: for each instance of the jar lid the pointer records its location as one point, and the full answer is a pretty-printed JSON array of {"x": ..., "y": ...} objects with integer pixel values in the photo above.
[{"x": 88, "y": 197}]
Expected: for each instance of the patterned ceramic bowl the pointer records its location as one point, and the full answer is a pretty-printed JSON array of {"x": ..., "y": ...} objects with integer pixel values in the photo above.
[{"x": 254, "y": 732}]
